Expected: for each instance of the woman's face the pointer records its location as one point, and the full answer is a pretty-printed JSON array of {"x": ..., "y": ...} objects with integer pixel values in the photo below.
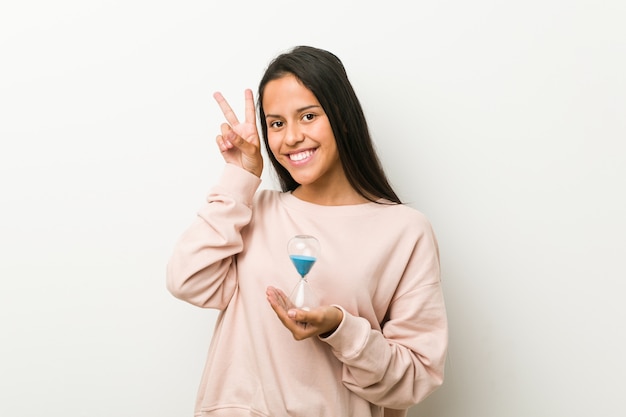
[{"x": 299, "y": 133}]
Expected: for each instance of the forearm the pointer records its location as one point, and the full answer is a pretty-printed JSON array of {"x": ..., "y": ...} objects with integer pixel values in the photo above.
[
  {"x": 400, "y": 365},
  {"x": 201, "y": 270}
]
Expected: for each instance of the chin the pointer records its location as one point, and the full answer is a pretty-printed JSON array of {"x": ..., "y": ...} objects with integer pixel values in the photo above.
[{"x": 304, "y": 179}]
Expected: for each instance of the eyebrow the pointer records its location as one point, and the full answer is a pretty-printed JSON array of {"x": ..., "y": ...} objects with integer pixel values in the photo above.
[{"x": 300, "y": 110}]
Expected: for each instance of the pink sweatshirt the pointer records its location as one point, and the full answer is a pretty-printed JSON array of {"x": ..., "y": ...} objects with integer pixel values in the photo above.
[{"x": 379, "y": 263}]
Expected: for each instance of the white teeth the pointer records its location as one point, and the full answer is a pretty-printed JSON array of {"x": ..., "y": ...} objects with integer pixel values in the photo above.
[{"x": 300, "y": 155}]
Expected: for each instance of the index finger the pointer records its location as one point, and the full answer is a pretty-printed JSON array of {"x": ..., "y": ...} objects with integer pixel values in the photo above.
[
  {"x": 230, "y": 115},
  {"x": 250, "y": 113}
]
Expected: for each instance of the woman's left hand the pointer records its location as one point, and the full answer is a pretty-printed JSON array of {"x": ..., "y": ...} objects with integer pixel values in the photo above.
[{"x": 303, "y": 324}]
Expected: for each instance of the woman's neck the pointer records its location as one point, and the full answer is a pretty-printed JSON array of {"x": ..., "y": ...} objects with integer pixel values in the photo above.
[{"x": 335, "y": 196}]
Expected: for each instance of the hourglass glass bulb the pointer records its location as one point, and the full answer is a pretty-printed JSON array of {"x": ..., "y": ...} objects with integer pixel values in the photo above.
[{"x": 303, "y": 252}]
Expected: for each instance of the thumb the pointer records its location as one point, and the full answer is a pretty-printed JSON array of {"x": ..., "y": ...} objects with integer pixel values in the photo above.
[
  {"x": 239, "y": 143},
  {"x": 298, "y": 315}
]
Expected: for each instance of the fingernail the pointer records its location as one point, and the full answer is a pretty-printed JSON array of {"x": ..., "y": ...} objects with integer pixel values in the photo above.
[{"x": 291, "y": 313}]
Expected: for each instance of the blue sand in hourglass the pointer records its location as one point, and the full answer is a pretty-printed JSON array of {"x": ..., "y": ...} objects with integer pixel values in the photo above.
[{"x": 302, "y": 263}]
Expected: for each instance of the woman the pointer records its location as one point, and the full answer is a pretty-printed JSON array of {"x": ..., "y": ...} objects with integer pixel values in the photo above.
[{"x": 377, "y": 344}]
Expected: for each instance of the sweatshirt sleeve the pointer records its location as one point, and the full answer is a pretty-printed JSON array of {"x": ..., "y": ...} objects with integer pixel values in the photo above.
[
  {"x": 401, "y": 364},
  {"x": 202, "y": 267}
]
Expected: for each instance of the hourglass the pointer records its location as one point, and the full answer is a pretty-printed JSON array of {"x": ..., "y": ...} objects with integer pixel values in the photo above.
[{"x": 303, "y": 251}]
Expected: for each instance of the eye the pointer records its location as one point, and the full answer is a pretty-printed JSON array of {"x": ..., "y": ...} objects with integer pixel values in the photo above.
[
  {"x": 277, "y": 124},
  {"x": 308, "y": 117}
]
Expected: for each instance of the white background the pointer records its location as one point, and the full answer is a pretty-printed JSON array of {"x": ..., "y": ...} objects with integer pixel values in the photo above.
[{"x": 504, "y": 122}]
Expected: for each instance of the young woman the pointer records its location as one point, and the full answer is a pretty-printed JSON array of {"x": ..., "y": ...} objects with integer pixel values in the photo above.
[{"x": 377, "y": 344}]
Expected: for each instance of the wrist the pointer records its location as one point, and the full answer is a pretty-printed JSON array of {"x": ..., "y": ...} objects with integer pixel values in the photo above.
[{"x": 338, "y": 318}]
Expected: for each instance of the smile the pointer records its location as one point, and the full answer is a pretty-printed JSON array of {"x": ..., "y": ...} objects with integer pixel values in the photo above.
[{"x": 301, "y": 156}]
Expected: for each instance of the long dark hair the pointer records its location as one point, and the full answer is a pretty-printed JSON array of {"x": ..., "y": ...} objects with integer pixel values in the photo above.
[{"x": 325, "y": 76}]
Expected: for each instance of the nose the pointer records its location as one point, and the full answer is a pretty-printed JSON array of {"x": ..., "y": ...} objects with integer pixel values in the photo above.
[{"x": 293, "y": 134}]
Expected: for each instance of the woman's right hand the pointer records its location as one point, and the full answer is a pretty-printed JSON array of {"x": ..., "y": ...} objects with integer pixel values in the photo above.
[{"x": 239, "y": 142}]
